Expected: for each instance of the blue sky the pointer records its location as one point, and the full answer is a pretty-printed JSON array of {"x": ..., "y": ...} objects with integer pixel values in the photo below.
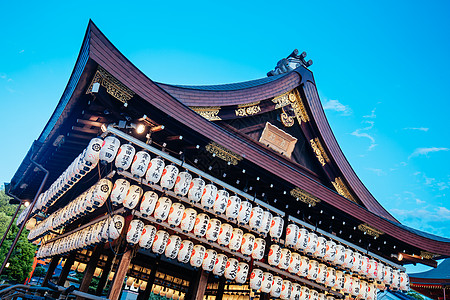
[{"x": 381, "y": 68}]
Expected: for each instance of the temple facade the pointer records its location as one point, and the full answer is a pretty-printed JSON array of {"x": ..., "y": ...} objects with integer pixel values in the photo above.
[{"x": 206, "y": 192}]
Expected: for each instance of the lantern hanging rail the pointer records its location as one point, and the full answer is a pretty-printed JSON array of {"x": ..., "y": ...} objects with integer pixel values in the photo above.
[
  {"x": 108, "y": 215},
  {"x": 112, "y": 129},
  {"x": 342, "y": 241}
]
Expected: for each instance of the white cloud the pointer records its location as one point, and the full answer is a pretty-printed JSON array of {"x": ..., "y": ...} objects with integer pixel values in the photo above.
[
  {"x": 378, "y": 172},
  {"x": 418, "y": 201},
  {"x": 431, "y": 219},
  {"x": 372, "y": 114},
  {"x": 21, "y": 51},
  {"x": 358, "y": 133},
  {"x": 417, "y": 128},
  {"x": 335, "y": 105},
  {"x": 426, "y": 151}
]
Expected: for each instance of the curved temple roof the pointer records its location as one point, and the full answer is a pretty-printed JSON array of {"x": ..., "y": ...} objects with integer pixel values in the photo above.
[{"x": 98, "y": 49}]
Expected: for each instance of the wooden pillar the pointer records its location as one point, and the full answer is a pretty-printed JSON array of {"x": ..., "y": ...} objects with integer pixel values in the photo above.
[
  {"x": 51, "y": 269},
  {"x": 148, "y": 289},
  {"x": 119, "y": 277},
  {"x": 66, "y": 269},
  {"x": 90, "y": 269},
  {"x": 199, "y": 287},
  {"x": 220, "y": 288},
  {"x": 104, "y": 278},
  {"x": 265, "y": 296}
]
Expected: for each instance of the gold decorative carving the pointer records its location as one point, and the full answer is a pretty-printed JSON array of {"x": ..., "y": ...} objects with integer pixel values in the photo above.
[
  {"x": 319, "y": 151},
  {"x": 281, "y": 101},
  {"x": 208, "y": 112},
  {"x": 304, "y": 196},
  {"x": 298, "y": 106},
  {"x": 428, "y": 255},
  {"x": 278, "y": 140},
  {"x": 286, "y": 120},
  {"x": 245, "y": 110},
  {"x": 223, "y": 153},
  {"x": 370, "y": 230},
  {"x": 342, "y": 189},
  {"x": 113, "y": 86}
]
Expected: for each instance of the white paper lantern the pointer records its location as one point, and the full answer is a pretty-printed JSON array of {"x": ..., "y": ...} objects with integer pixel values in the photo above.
[
  {"x": 363, "y": 288},
  {"x": 274, "y": 255},
  {"x": 258, "y": 249},
  {"x": 196, "y": 190},
  {"x": 329, "y": 297},
  {"x": 115, "y": 227},
  {"x": 185, "y": 252},
  {"x": 296, "y": 291},
  {"x": 330, "y": 278},
  {"x": 119, "y": 191},
  {"x": 233, "y": 205},
  {"x": 248, "y": 242},
  {"x": 265, "y": 223},
  {"x": 175, "y": 214},
  {"x": 380, "y": 273},
  {"x": 236, "y": 239},
  {"x": 286, "y": 290},
  {"x": 140, "y": 164},
  {"x": 395, "y": 285},
  {"x": 321, "y": 296},
  {"x": 172, "y": 247},
  {"x": 92, "y": 154},
  {"x": 101, "y": 192},
  {"x": 302, "y": 239},
  {"x": 364, "y": 266},
  {"x": 160, "y": 242},
  {"x": 321, "y": 274},
  {"x": 109, "y": 149},
  {"x": 169, "y": 176},
  {"x": 220, "y": 204},
  {"x": 276, "y": 286},
  {"x": 132, "y": 198},
  {"x": 155, "y": 170},
  {"x": 372, "y": 269},
  {"x": 212, "y": 232},
  {"x": 313, "y": 270},
  {"x": 220, "y": 264},
  {"x": 125, "y": 157},
  {"x": 313, "y": 295},
  {"x": 182, "y": 183},
  {"x": 321, "y": 247},
  {"x": 188, "y": 220},
  {"x": 404, "y": 282},
  {"x": 201, "y": 225},
  {"x": 312, "y": 243},
  {"x": 330, "y": 251},
  {"x": 198, "y": 254},
  {"x": 292, "y": 231},
  {"x": 135, "y": 231},
  {"x": 371, "y": 292},
  {"x": 231, "y": 268},
  {"x": 225, "y": 234},
  {"x": 256, "y": 278},
  {"x": 348, "y": 280},
  {"x": 355, "y": 286},
  {"x": 357, "y": 261},
  {"x": 339, "y": 282},
  {"x": 304, "y": 266},
  {"x": 162, "y": 209},
  {"x": 294, "y": 264},
  {"x": 276, "y": 228},
  {"x": 267, "y": 282},
  {"x": 209, "y": 195},
  {"x": 388, "y": 276},
  {"x": 149, "y": 200},
  {"x": 339, "y": 258},
  {"x": 147, "y": 237},
  {"x": 242, "y": 273},
  {"x": 209, "y": 260},
  {"x": 245, "y": 210},
  {"x": 285, "y": 258},
  {"x": 348, "y": 259}
]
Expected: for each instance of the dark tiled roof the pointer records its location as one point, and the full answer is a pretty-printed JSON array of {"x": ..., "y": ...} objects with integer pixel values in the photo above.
[{"x": 441, "y": 272}]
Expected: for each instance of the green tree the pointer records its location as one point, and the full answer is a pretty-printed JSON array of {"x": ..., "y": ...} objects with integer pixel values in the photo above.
[{"x": 21, "y": 259}]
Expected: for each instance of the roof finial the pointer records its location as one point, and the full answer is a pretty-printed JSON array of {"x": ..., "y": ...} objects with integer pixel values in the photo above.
[{"x": 290, "y": 63}]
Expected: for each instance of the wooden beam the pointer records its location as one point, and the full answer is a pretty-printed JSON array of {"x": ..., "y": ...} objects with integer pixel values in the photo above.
[
  {"x": 51, "y": 269},
  {"x": 90, "y": 269},
  {"x": 66, "y": 269},
  {"x": 199, "y": 285},
  {"x": 85, "y": 130},
  {"x": 220, "y": 288},
  {"x": 148, "y": 289},
  {"x": 119, "y": 277},
  {"x": 104, "y": 278},
  {"x": 89, "y": 122}
]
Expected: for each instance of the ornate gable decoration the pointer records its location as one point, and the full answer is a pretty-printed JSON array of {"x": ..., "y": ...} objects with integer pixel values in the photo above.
[
  {"x": 370, "y": 230},
  {"x": 341, "y": 188},
  {"x": 294, "y": 100},
  {"x": 304, "y": 196},
  {"x": 223, "y": 153},
  {"x": 319, "y": 151},
  {"x": 210, "y": 113},
  {"x": 278, "y": 140},
  {"x": 113, "y": 86},
  {"x": 248, "y": 109}
]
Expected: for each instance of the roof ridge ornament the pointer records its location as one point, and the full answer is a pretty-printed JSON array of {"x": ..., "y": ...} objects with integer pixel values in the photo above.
[{"x": 293, "y": 61}]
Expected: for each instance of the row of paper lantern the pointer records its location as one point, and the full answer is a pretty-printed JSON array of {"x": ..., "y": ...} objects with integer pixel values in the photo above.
[
  {"x": 87, "y": 202},
  {"x": 81, "y": 165},
  {"x": 99, "y": 232},
  {"x": 339, "y": 256}
]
